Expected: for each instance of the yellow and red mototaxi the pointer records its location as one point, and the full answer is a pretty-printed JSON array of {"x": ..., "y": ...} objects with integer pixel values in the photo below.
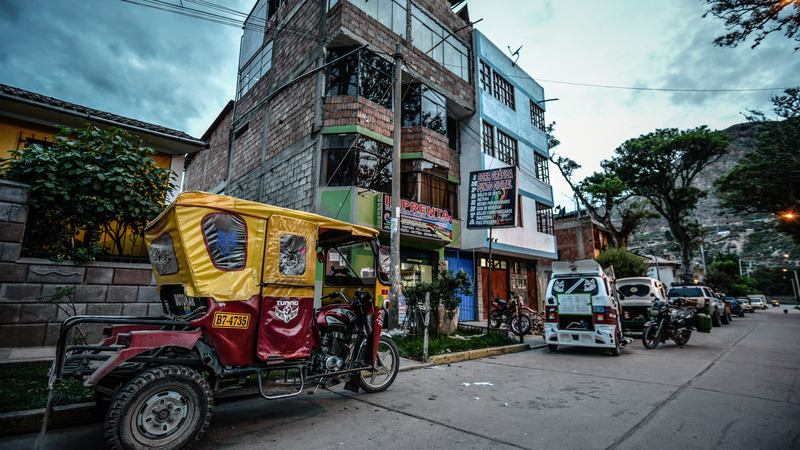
[{"x": 237, "y": 280}]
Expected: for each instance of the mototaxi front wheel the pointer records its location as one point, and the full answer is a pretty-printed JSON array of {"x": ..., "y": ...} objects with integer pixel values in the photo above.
[
  {"x": 384, "y": 371},
  {"x": 650, "y": 337},
  {"x": 520, "y": 324},
  {"x": 165, "y": 407}
]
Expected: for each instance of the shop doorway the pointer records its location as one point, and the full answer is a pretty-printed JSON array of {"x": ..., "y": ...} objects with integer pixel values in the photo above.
[
  {"x": 499, "y": 282},
  {"x": 533, "y": 298},
  {"x": 463, "y": 261}
]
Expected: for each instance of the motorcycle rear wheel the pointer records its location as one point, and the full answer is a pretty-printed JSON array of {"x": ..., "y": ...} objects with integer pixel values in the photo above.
[
  {"x": 384, "y": 370},
  {"x": 683, "y": 338},
  {"x": 650, "y": 337},
  {"x": 520, "y": 324}
]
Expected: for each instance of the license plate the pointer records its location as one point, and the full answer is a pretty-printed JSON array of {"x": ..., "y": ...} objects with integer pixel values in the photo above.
[{"x": 231, "y": 320}]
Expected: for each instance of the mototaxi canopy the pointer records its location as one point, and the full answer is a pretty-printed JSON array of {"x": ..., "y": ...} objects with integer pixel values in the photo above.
[{"x": 220, "y": 246}]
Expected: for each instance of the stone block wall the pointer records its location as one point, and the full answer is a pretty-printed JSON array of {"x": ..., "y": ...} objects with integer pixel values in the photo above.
[{"x": 28, "y": 317}]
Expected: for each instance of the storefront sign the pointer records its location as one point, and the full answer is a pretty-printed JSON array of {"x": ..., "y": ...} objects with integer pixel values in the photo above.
[
  {"x": 417, "y": 219},
  {"x": 492, "y": 199}
]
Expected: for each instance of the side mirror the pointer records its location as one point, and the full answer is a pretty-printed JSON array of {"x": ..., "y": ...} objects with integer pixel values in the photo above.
[{"x": 320, "y": 257}]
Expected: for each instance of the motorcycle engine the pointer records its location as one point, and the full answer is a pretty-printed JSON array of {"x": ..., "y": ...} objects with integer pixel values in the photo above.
[{"x": 334, "y": 350}]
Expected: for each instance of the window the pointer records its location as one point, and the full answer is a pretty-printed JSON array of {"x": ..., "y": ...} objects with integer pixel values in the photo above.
[
  {"x": 422, "y": 106},
  {"x": 438, "y": 43},
  {"x": 255, "y": 69},
  {"x": 292, "y": 260},
  {"x": 390, "y": 13},
  {"x": 360, "y": 73},
  {"x": 542, "y": 168},
  {"x": 488, "y": 139},
  {"x": 355, "y": 160},
  {"x": 544, "y": 218},
  {"x": 162, "y": 255},
  {"x": 504, "y": 91},
  {"x": 225, "y": 236},
  {"x": 255, "y": 57},
  {"x": 486, "y": 77},
  {"x": 428, "y": 185},
  {"x": 537, "y": 116},
  {"x": 506, "y": 148}
]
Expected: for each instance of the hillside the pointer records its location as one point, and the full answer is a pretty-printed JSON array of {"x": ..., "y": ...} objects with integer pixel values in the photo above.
[{"x": 749, "y": 236}]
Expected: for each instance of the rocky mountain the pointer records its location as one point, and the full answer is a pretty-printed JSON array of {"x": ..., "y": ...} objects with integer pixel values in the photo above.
[{"x": 749, "y": 236}]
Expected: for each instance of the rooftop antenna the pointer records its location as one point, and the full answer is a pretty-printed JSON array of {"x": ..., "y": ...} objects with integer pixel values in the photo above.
[{"x": 516, "y": 53}]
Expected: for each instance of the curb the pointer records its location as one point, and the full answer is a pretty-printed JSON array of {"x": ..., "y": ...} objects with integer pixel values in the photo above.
[{"x": 21, "y": 422}]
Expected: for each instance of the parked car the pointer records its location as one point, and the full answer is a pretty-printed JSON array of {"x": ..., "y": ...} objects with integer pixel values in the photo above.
[
  {"x": 637, "y": 295},
  {"x": 745, "y": 302},
  {"x": 758, "y": 301},
  {"x": 704, "y": 299},
  {"x": 775, "y": 303},
  {"x": 727, "y": 313},
  {"x": 736, "y": 307}
]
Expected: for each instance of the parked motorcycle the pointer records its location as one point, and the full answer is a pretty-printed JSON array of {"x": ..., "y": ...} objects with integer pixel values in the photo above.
[
  {"x": 512, "y": 313},
  {"x": 671, "y": 320}
]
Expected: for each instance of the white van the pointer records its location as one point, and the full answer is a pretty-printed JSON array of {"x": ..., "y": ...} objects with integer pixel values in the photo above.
[
  {"x": 581, "y": 307},
  {"x": 636, "y": 298}
]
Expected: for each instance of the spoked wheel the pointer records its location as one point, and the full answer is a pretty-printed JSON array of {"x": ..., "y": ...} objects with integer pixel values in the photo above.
[
  {"x": 165, "y": 407},
  {"x": 496, "y": 320},
  {"x": 385, "y": 368},
  {"x": 615, "y": 351},
  {"x": 683, "y": 338},
  {"x": 650, "y": 337},
  {"x": 521, "y": 324}
]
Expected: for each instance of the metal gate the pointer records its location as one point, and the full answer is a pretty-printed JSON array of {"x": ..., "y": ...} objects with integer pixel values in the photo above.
[{"x": 463, "y": 261}]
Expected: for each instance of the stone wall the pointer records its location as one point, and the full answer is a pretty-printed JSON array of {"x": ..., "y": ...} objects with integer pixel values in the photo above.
[{"x": 28, "y": 318}]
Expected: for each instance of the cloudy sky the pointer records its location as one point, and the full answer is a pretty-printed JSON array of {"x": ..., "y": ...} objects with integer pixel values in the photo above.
[{"x": 619, "y": 68}]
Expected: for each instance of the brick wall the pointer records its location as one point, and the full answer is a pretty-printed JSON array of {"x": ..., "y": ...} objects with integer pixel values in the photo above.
[{"x": 26, "y": 318}]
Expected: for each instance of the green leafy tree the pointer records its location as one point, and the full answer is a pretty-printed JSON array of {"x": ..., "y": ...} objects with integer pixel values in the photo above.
[
  {"x": 759, "y": 18},
  {"x": 605, "y": 196},
  {"x": 445, "y": 290},
  {"x": 88, "y": 183},
  {"x": 625, "y": 263},
  {"x": 767, "y": 179},
  {"x": 661, "y": 167}
]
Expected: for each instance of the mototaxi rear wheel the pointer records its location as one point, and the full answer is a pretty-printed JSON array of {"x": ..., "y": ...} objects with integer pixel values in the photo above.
[
  {"x": 164, "y": 407},
  {"x": 651, "y": 337}
]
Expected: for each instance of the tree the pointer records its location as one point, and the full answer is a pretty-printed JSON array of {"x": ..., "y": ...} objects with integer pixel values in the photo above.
[
  {"x": 755, "y": 17},
  {"x": 625, "y": 263},
  {"x": 88, "y": 183},
  {"x": 767, "y": 179},
  {"x": 661, "y": 167},
  {"x": 605, "y": 197}
]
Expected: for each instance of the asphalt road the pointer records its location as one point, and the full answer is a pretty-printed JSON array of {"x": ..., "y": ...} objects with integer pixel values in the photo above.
[{"x": 735, "y": 388}]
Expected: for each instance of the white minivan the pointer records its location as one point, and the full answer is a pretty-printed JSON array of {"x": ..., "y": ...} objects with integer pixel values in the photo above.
[{"x": 582, "y": 308}]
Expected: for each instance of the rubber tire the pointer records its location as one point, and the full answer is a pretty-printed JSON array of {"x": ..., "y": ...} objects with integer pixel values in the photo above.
[
  {"x": 495, "y": 321},
  {"x": 650, "y": 341},
  {"x": 552, "y": 347},
  {"x": 741, "y": 313},
  {"x": 386, "y": 350},
  {"x": 725, "y": 318},
  {"x": 715, "y": 319},
  {"x": 520, "y": 324},
  {"x": 190, "y": 388},
  {"x": 682, "y": 342},
  {"x": 729, "y": 316},
  {"x": 615, "y": 351}
]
